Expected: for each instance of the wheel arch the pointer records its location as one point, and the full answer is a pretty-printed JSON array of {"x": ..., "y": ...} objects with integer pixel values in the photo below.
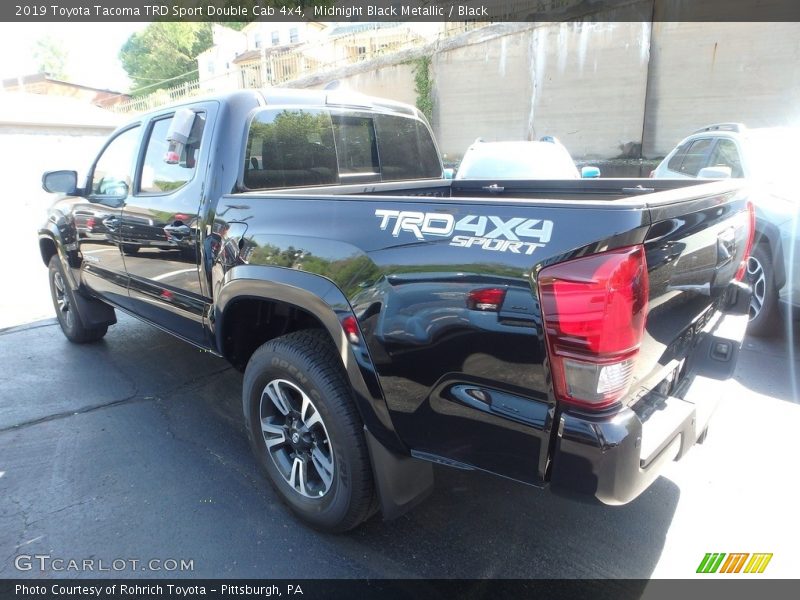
[
  {"x": 314, "y": 302},
  {"x": 769, "y": 235},
  {"x": 52, "y": 242},
  {"x": 47, "y": 247}
]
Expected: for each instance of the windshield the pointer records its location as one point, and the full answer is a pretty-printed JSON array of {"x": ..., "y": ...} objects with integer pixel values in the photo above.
[{"x": 517, "y": 160}]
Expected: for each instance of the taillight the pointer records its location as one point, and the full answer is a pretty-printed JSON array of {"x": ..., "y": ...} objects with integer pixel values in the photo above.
[
  {"x": 486, "y": 299},
  {"x": 751, "y": 213},
  {"x": 594, "y": 310},
  {"x": 90, "y": 223},
  {"x": 350, "y": 326}
]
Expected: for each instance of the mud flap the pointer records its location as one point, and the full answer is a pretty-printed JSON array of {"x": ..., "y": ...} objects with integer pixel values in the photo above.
[
  {"x": 402, "y": 482},
  {"x": 93, "y": 313}
]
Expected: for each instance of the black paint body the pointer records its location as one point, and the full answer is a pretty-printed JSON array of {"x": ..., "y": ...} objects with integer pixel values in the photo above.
[{"x": 433, "y": 378}]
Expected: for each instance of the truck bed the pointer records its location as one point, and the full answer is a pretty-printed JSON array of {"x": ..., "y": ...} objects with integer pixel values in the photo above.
[{"x": 406, "y": 255}]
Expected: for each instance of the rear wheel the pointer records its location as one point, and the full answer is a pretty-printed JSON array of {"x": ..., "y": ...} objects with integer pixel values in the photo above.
[
  {"x": 64, "y": 303},
  {"x": 305, "y": 430},
  {"x": 764, "y": 313}
]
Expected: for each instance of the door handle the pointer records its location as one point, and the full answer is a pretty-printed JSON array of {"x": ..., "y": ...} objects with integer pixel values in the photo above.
[
  {"x": 726, "y": 246},
  {"x": 178, "y": 229}
]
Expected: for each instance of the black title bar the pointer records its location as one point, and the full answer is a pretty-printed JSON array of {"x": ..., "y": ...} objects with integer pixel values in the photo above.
[
  {"x": 398, "y": 10},
  {"x": 397, "y": 589}
]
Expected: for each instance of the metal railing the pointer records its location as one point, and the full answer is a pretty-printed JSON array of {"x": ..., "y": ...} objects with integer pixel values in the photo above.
[
  {"x": 160, "y": 97},
  {"x": 277, "y": 67}
]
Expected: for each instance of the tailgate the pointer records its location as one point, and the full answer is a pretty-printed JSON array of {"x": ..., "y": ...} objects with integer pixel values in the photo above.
[{"x": 693, "y": 250}]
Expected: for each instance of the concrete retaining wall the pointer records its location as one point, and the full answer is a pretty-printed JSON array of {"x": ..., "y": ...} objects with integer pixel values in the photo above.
[{"x": 605, "y": 89}]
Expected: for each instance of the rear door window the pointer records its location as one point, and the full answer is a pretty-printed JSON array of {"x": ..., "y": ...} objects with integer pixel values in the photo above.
[
  {"x": 356, "y": 145},
  {"x": 308, "y": 147},
  {"x": 290, "y": 148},
  {"x": 696, "y": 156},
  {"x": 726, "y": 154},
  {"x": 406, "y": 149},
  {"x": 674, "y": 163}
]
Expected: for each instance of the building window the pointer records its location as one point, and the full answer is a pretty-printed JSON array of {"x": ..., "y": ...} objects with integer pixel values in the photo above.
[
  {"x": 294, "y": 35},
  {"x": 276, "y": 38},
  {"x": 210, "y": 67},
  {"x": 257, "y": 41}
]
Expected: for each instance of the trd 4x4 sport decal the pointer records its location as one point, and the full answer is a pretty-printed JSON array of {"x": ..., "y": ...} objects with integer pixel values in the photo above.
[{"x": 489, "y": 233}]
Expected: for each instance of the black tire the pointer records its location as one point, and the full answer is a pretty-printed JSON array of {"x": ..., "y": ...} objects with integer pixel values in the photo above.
[
  {"x": 298, "y": 364},
  {"x": 129, "y": 249},
  {"x": 64, "y": 302},
  {"x": 764, "y": 313}
]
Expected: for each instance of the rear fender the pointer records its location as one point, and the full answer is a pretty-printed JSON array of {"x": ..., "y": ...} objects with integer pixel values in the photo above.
[
  {"x": 767, "y": 233},
  {"x": 401, "y": 481},
  {"x": 321, "y": 298}
]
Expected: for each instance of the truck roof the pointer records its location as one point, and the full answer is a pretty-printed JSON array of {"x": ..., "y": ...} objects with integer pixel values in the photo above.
[{"x": 309, "y": 97}]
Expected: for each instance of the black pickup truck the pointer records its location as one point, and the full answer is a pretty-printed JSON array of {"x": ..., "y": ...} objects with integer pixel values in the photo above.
[{"x": 565, "y": 334}]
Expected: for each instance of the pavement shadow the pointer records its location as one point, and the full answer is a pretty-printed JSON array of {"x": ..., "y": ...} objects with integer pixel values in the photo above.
[
  {"x": 770, "y": 366},
  {"x": 157, "y": 464}
]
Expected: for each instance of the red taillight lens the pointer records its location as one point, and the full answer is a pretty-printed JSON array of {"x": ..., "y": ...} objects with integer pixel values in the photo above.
[
  {"x": 486, "y": 299},
  {"x": 751, "y": 214},
  {"x": 90, "y": 222},
  {"x": 350, "y": 326},
  {"x": 594, "y": 310}
]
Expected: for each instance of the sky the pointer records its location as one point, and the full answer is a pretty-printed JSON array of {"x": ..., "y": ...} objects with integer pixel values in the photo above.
[{"x": 92, "y": 50}]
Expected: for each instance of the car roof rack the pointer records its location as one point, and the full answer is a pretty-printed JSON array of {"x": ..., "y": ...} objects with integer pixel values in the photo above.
[{"x": 734, "y": 127}]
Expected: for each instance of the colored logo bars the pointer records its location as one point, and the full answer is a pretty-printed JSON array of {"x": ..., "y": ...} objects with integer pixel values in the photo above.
[{"x": 718, "y": 563}]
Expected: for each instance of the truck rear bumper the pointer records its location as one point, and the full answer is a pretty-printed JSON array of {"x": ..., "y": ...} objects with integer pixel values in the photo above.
[{"x": 615, "y": 458}]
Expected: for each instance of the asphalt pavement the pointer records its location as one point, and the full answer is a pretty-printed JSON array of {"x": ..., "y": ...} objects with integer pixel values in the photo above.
[{"x": 134, "y": 449}]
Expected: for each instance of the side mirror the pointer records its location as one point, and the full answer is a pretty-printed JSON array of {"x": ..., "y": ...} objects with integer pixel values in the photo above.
[
  {"x": 448, "y": 173},
  {"x": 590, "y": 172},
  {"x": 65, "y": 182},
  {"x": 718, "y": 172}
]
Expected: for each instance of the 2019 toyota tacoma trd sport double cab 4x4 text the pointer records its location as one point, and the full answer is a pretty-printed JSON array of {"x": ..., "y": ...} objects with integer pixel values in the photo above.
[{"x": 569, "y": 334}]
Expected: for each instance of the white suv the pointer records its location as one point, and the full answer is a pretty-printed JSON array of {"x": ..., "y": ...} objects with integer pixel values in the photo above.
[{"x": 767, "y": 157}]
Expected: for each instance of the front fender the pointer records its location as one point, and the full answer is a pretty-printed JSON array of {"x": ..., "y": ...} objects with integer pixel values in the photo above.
[
  {"x": 321, "y": 298},
  {"x": 767, "y": 231},
  {"x": 54, "y": 240},
  {"x": 57, "y": 232}
]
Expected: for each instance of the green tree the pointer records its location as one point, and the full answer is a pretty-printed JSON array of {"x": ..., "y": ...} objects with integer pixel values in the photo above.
[
  {"x": 51, "y": 56},
  {"x": 164, "y": 54}
]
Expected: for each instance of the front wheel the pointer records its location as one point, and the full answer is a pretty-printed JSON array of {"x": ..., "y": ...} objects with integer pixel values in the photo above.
[
  {"x": 64, "y": 302},
  {"x": 305, "y": 431}
]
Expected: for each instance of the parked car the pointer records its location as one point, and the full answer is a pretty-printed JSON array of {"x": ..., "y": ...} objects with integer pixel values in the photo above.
[
  {"x": 545, "y": 159},
  {"x": 767, "y": 157},
  {"x": 387, "y": 319}
]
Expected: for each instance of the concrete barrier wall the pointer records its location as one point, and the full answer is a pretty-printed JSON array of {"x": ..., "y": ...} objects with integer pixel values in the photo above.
[
  {"x": 584, "y": 83},
  {"x": 395, "y": 81},
  {"x": 606, "y": 89},
  {"x": 703, "y": 73},
  {"x": 482, "y": 89}
]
